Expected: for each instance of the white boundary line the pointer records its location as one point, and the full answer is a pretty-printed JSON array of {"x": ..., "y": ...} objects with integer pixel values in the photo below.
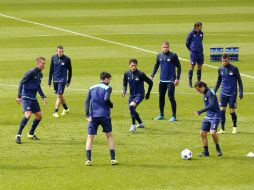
[{"x": 99, "y": 39}]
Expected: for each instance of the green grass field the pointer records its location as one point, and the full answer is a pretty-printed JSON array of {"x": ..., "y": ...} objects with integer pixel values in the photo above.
[{"x": 150, "y": 158}]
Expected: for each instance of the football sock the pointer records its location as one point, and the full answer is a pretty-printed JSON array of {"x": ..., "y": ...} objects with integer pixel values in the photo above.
[
  {"x": 134, "y": 114},
  {"x": 173, "y": 106},
  {"x": 218, "y": 147},
  {"x": 22, "y": 125},
  {"x": 88, "y": 154},
  {"x": 234, "y": 118},
  {"x": 223, "y": 119},
  {"x": 199, "y": 75},
  {"x": 206, "y": 149},
  {"x": 34, "y": 125},
  {"x": 65, "y": 106},
  {"x": 190, "y": 74},
  {"x": 112, "y": 154},
  {"x": 56, "y": 110}
]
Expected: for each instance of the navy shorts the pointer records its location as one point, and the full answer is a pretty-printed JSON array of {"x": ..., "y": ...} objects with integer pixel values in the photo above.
[
  {"x": 96, "y": 121},
  {"x": 30, "y": 105},
  {"x": 230, "y": 100},
  {"x": 59, "y": 87},
  {"x": 136, "y": 99},
  {"x": 210, "y": 124},
  {"x": 196, "y": 58}
]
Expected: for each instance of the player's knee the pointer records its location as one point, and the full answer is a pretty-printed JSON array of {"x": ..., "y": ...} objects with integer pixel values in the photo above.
[
  {"x": 27, "y": 115},
  {"x": 203, "y": 133}
]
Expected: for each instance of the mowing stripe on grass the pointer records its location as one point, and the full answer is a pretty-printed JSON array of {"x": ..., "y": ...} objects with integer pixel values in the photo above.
[
  {"x": 9, "y": 86},
  {"x": 100, "y": 39}
]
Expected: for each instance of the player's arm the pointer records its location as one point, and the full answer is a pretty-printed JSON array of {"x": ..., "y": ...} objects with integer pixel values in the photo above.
[
  {"x": 211, "y": 103},
  {"x": 26, "y": 77},
  {"x": 240, "y": 83},
  {"x": 179, "y": 69},
  {"x": 188, "y": 41},
  {"x": 42, "y": 95},
  {"x": 150, "y": 85},
  {"x": 51, "y": 71},
  {"x": 107, "y": 97},
  {"x": 69, "y": 68},
  {"x": 88, "y": 104},
  {"x": 156, "y": 67},
  {"x": 125, "y": 84},
  {"x": 218, "y": 82}
]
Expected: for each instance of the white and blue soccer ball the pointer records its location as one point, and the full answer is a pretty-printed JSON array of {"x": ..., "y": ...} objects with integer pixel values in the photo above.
[{"x": 186, "y": 154}]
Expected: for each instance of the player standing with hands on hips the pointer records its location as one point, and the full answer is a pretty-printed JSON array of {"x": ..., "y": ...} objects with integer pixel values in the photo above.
[{"x": 212, "y": 118}]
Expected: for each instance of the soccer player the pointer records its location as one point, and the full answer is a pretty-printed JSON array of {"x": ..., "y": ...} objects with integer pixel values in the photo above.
[
  {"x": 168, "y": 62},
  {"x": 228, "y": 77},
  {"x": 97, "y": 106},
  {"x": 29, "y": 85},
  {"x": 136, "y": 78},
  {"x": 194, "y": 44},
  {"x": 60, "y": 65},
  {"x": 212, "y": 118}
]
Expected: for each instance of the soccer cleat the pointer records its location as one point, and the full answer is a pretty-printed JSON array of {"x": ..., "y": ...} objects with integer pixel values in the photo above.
[
  {"x": 234, "y": 130},
  {"x": 172, "y": 119},
  {"x": 114, "y": 162},
  {"x": 219, "y": 153},
  {"x": 32, "y": 137},
  {"x": 190, "y": 84},
  {"x": 204, "y": 154},
  {"x": 221, "y": 132},
  {"x": 88, "y": 163},
  {"x": 133, "y": 128},
  {"x": 159, "y": 118},
  {"x": 18, "y": 139},
  {"x": 65, "y": 112},
  {"x": 141, "y": 125},
  {"x": 55, "y": 115}
]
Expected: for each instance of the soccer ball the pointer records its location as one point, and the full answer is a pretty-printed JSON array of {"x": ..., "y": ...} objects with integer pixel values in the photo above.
[{"x": 186, "y": 154}]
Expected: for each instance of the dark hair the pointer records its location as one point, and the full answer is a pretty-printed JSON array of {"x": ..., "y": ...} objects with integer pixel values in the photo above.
[
  {"x": 105, "y": 75},
  {"x": 225, "y": 56},
  {"x": 200, "y": 84},
  {"x": 40, "y": 58},
  {"x": 198, "y": 24},
  {"x": 135, "y": 61},
  {"x": 60, "y": 47}
]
